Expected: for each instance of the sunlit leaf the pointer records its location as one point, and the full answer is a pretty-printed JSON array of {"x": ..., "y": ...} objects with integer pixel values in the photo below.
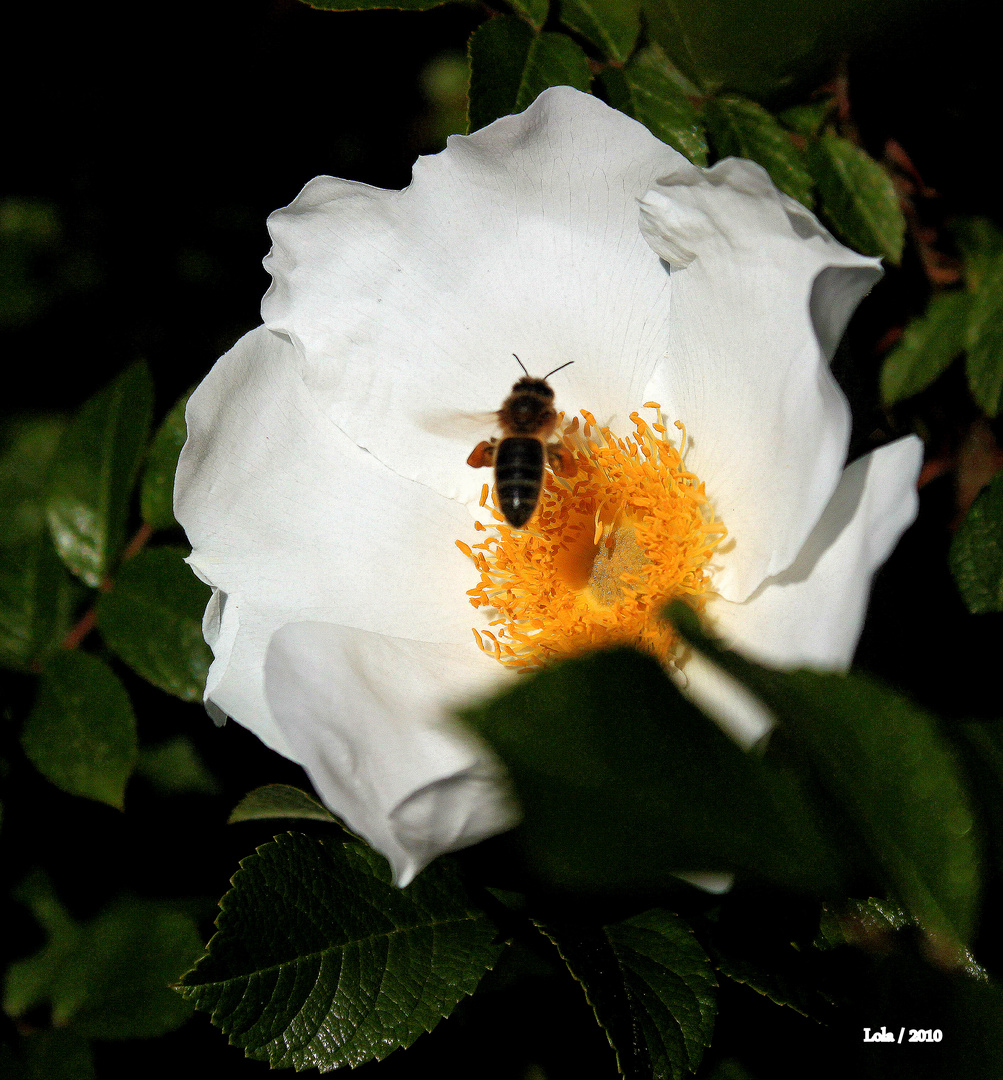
[
  {"x": 657, "y": 101},
  {"x": 91, "y": 478},
  {"x": 977, "y": 551},
  {"x": 927, "y": 348},
  {"x": 741, "y": 128},
  {"x": 511, "y": 64},
  {"x": 319, "y": 961},
  {"x": 857, "y": 196},
  {"x": 152, "y": 619},
  {"x": 81, "y": 732}
]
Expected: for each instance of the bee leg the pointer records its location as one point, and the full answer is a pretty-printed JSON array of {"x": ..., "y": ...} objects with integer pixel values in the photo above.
[
  {"x": 482, "y": 454},
  {"x": 561, "y": 459}
]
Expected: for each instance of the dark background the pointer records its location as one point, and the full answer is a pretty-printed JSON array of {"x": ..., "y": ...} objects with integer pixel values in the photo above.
[{"x": 154, "y": 141}]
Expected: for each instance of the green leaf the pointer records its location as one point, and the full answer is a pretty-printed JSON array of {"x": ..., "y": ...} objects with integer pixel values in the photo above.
[
  {"x": 859, "y": 922},
  {"x": 81, "y": 732},
  {"x": 883, "y": 762},
  {"x": 152, "y": 619},
  {"x": 651, "y": 986},
  {"x": 760, "y": 49},
  {"x": 107, "y": 978},
  {"x": 174, "y": 767},
  {"x": 511, "y": 64},
  {"x": 976, "y": 555},
  {"x": 984, "y": 362},
  {"x": 654, "y": 99},
  {"x": 37, "y": 595},
  {"x": 858, "y": 197},
  {"x": 611, "y": 25},
  {"x": 536, "y": 11},
  {"x": 981, "y": 245},
  {"x": 927, "y": 348},
  {"x": 807, "y": 119},
  {"x": 741, "y": 128},
  {"x": 319, "y": 961},
  {"x": 156, "y": 492},
  {"x": 623, "y": 782},
  {"x": 279, "y": 801},
  {"x": 88, "y": 491}
]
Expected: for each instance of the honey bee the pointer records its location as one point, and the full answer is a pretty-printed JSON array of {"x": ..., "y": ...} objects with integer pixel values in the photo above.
[{"x": 527, "y": 419}]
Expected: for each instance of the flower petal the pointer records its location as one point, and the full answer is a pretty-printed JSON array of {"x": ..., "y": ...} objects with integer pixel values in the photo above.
[
  {"x": 761, "y": 302},
  {"x": 367, "y": 717},
  {"x": 521, "y": 238},
  {"x": 290, "y": 521},
  {"x": 811, "y": 615}
]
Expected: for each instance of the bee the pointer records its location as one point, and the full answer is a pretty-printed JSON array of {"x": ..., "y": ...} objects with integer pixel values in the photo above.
[{"x": 527, "y": 419}]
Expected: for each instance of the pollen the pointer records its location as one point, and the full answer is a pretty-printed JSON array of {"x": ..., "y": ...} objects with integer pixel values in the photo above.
[{"x": 610, "y": 544}]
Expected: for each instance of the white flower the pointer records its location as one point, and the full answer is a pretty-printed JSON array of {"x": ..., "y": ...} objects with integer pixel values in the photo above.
[{"x": 323, "y": 493}]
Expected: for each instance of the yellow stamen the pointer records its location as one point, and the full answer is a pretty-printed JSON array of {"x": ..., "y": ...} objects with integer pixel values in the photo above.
[{"x": 607, "y": 548}]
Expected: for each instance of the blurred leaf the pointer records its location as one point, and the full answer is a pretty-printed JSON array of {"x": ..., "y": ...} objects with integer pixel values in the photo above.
[
  {"x": 511, "y": 64},
  {"x": 81, "y": 732},
  {"x": 741, "y": 128},
  {"x": 534, "y": 10},
  {"x": 156, "y": 493},
  {"x": 807, "y": 119},
  {"x": 107, "y": 978},
  {"x": 981, "y": 245},
  {"x": 279, "y": 801},
  {"x": 152, "y": 619},
  {"x": 174, "y": 767},
  {"x": 651, "y": 986},
  {"x": 883, "y": 762},
  {"x": 927, "y": 348},
  {"x": 611, "y": 25},
  {"x": 984, "y": 362},
  {"x": 320, "y": 961},
  {"x": 655, "y": 100},
  {"x": 622, "y": 782},
  {"x": 977, "y": 551},
  {"x": 91, "y": 479},
  {"x": 48, "y": 1055},
  {"x": 858, "y": 197},
  {"x": 37, "y": 595}
]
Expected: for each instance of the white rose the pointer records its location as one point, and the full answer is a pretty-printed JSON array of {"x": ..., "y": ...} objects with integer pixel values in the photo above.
[{"x": 323, "y": 490}]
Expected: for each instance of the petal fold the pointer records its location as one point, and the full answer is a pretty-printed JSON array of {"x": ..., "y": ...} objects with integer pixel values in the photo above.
[
  {"x": 368, "y": 718},
  {"x": 759, "y": 311}
]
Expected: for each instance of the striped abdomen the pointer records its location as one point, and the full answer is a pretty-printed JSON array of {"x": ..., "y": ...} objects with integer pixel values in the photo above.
[{"x": 518, "y": 478}]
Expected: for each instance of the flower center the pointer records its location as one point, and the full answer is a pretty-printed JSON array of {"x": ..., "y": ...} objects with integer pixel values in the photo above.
[{"x": 607, "y": 548}]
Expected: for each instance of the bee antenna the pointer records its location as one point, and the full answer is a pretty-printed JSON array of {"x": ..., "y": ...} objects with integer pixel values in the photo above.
[
  {"x": 556, "y": 369},
  {"x": 521, "y": 364}
]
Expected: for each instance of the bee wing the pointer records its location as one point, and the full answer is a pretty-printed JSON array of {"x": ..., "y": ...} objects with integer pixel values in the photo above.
[{"x": 463, "y": 427}]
